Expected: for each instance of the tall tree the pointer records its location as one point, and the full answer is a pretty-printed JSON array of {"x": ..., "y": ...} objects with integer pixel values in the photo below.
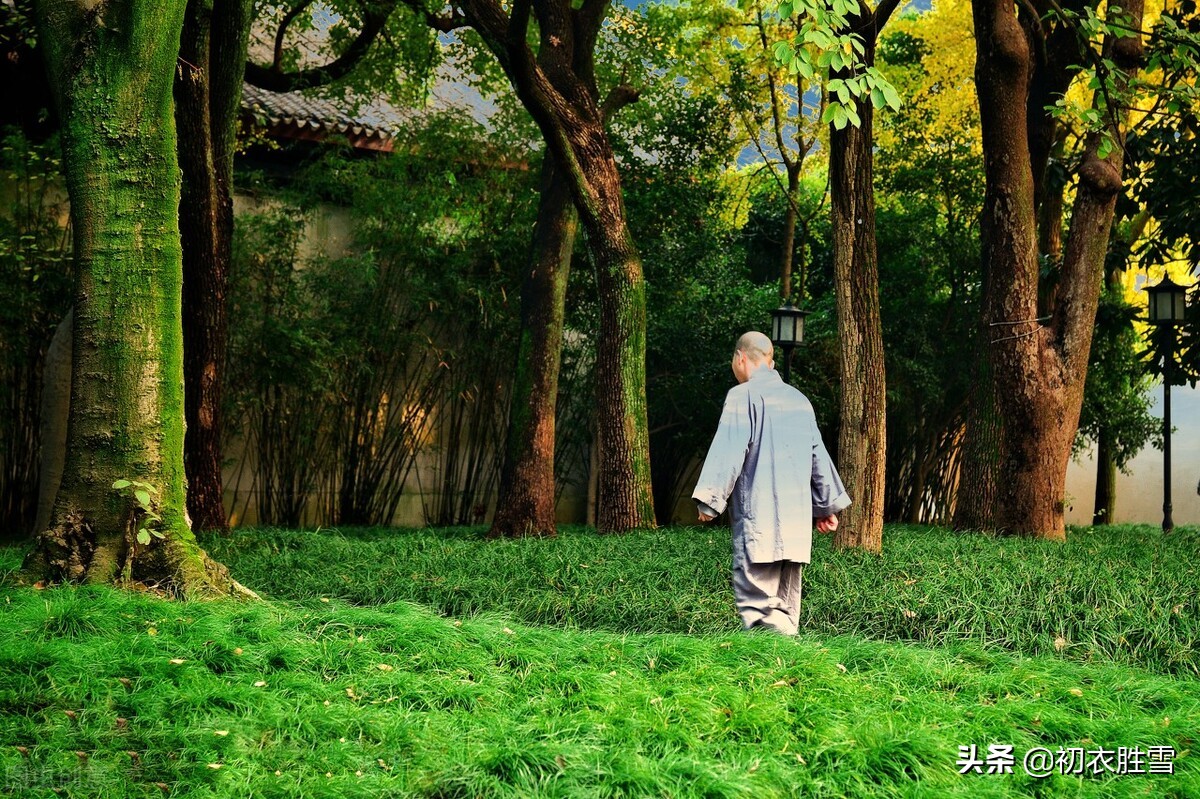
[
  {"x": 111, "y": 70},
  {"x": 526, "y": 501},
  {"x": 213, "y": 63},
  {"x": 1039, "y": 370},
  {"x": 212, "y": 53},
  {"x": 846, "y": 34},
  {"x": 555, "y": 80},
  {"x": 862, "y": 436}
]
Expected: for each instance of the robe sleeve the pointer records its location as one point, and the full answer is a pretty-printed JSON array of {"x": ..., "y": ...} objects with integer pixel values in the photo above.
[
  {"x": 828, "y": 494},
  {"x": 726, "y": 455}
]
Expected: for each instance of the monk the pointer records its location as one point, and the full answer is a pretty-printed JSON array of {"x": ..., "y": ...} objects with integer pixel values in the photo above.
[{"x": 768, "y": 463}]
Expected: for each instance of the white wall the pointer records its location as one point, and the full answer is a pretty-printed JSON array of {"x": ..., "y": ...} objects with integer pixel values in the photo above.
[{"x": 1140, "y": 493}]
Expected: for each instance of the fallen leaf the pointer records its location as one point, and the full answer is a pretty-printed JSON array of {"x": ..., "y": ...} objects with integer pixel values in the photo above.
[
  {"x": 726, "y": 645},
  {"x": 260, "y": 684},
  {"x": 841, "y": 668},
  {"x": 152, "y": 631},
  {"x": 358, "y": 774},
  {"x": 128, "y": 683},
  {"x": 324, "y": 599},
  {"x": 754, "y": 766},
  {"x": 222, "y": 733},
  {"x": 384, "y": 667},
  {"x": 458, "y": 624},
  {"x": 328, "y": 703},
  {"x": 562, "y": 763},
  {"x": 1076, "y": 691},
  {"x": 81, "y": 755},
  {"x": 162, "y": 786},
  {"x": 278, "y": 773},
  {"x": 909, "y": 582},
  {"x": 71, "y": 714},
  {"x": 23, "y": 750},
  {"x": 177, "y": 661},
  {"x": 507, "y": 631},
  {"x": 1060, "y": 643},
  {"x": 1177, "y": 609},
  {"x": 134, "y": 756},
  {"x": 237, "y": 650},
  {"x": 908, "y": 614},
  {"x": 122, "y": 723},
  {"x": 215, "y": 766},
  {"x": 1166, "y": 721}
]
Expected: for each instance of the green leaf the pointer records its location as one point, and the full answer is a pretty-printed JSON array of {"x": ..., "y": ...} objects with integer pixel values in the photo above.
[
  {"x": 1105, "y": 147},
  {"x": 853, "y": 116},
  {"x": 122, "y": 484},
  {"x": 830, "y": 111},
  {"x": 143, "y": 497},
  {"x": 877, "y": 98},
  {"x": 890, "y": 94},
  {"x": 159, "y": 534},
  {"x": 785, "y": 10},
  {"x": 783, "y": 52},
  {"x": 840, "y": 118},
  {"x": 143, "y": 537}
]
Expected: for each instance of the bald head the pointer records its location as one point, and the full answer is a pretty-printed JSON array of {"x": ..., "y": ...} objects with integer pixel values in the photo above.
[
  {"x": 757, "y": 346},
  {"x": 753, "y": 351}
]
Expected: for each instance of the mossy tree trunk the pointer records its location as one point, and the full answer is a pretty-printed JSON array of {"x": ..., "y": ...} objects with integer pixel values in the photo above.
[
  {"x": 557, "y": 85},
  {"x": 111, "y": 68},
  {"x": 526, "y": 500},
  {"x": 207, "y": 90}
]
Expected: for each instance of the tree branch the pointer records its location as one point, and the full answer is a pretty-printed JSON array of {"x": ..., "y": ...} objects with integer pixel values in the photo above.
[
  {"x": 883, "y": 12},
  {"x": 620, "y": 96},
  {"x": 275, "y": 80},
  {"x": 284, "y": 24}
]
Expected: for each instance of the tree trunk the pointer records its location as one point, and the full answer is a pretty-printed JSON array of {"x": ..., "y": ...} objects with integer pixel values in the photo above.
[
  {"x": 213, "y": 56},
  {"x": 558, "y": 88},
  {"x": 787, "y": 257},
  {"x": 862, "y": 437},
  {"x": 1103, "y": 510},
  {"x": 1039, "y": 370},
  {"x": 975, "y": 496},
  {"x": 624, "y": 495},
  {"x": 111, "y": 68},
  {"x": 525, "y": 505}
]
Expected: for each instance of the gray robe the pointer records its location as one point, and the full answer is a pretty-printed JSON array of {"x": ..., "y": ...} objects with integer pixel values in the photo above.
[{"x": 767, "y": 461}]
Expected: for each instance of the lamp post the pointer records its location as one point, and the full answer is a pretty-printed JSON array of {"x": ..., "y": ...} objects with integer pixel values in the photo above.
[
  {"x": 1167, "y": 305},
  {"x": 787, "y": 330}
]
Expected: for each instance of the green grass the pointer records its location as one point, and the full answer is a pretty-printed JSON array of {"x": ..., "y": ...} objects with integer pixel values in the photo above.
[
  {"x": 350, "y": 693},
  {"x": 1123, "y": 594}
]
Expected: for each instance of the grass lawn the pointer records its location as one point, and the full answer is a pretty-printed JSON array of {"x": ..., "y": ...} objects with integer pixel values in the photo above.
[{"x": 432, "y": 663}]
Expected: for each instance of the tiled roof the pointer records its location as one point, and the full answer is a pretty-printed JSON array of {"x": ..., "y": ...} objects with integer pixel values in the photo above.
[{"x": 295, "y": 116}]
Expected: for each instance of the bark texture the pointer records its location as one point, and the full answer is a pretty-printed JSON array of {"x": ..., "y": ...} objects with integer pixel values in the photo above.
[
  {"x": 862, "y": 437},
  {"x": 212, "y": 56},
  {"x": 111, "y": 69},
  {"x": 1039, "y": 369},
  {"x": 526, "y": 501}
]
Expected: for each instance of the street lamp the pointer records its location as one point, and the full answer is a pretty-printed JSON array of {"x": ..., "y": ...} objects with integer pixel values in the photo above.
[
  {"x": 787, "y": 330},
  {"x": 1167, "y": 305}
]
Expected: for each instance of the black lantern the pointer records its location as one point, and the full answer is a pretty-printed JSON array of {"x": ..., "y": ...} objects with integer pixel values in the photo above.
[
  {"x": 1167, "y": 306},
  {"x": 1168, "y": 301},
  {"x": 787, "y": 330}
]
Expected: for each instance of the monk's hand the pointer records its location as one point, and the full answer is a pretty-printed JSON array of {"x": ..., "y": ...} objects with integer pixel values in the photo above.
[
  {"x": 827, "y": 524},
  {"x": 705, "y": 518}
]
